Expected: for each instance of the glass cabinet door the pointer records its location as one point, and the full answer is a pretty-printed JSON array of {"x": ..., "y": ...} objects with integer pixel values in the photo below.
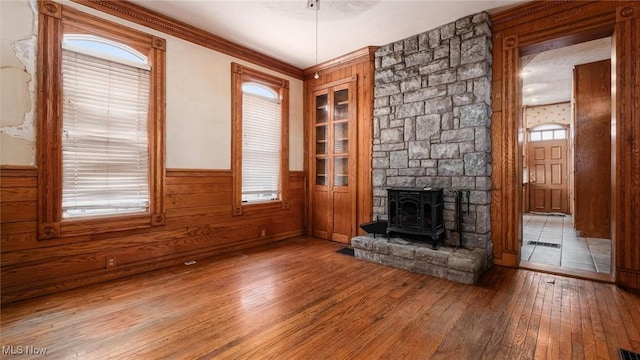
[
  {"x": 322, "y": 140},
  {"x": 340, "y": 134},
  {"x": 331, "y": 137}
]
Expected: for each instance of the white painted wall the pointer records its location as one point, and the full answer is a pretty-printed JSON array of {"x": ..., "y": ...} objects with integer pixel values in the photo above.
[
  {"x": 198, "y": 124},
  {"x": 17, "y": 82},
  {"x": 559, "y": 113}
]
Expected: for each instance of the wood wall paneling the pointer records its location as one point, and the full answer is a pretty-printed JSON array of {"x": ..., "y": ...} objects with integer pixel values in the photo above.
[
  {"x": 544, "y": 25},
  {"x": 592, "y": 134},
  {"x": 199, "y": 224},
  {"x": 626, "y": 234}
]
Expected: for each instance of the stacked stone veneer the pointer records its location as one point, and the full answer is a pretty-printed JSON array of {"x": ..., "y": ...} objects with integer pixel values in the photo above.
[{"x": 432, "y": 112}]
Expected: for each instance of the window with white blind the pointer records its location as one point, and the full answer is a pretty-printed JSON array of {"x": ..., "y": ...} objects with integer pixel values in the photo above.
[
  {"x": 101, "y": 121},
  {"x": 105, "y": 158},
  {"x": 261, "y": 120},
  {"x": 260, "y": 140}
]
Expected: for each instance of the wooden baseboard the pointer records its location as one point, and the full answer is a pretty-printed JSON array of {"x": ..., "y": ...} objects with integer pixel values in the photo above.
[{"x": 36, "y": 289}]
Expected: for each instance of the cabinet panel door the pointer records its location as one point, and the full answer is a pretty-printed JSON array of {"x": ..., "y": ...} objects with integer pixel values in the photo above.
[
  {"x": 321, "y": 214},
  {"x": 342, "y": 223}
]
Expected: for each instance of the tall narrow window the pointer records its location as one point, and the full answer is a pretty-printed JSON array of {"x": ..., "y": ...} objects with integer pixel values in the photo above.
[
  {"x": 100, "y": 125},
  {"x": 260, "y": 136},
  {"x": 261, "y": 132}
]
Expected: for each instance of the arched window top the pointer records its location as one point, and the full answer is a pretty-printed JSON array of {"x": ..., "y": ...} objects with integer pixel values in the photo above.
[
  {"x": 260, "y": 90},
  {"x": 547, "y": 127},
  {"x": 104, "y": 48}
]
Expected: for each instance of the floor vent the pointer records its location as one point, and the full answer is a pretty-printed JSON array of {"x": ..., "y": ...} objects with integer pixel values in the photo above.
[
  {"x": 346, "y": 251},
  {"x": 628, "y": 355},
  {"x": 546, "y": 244}
]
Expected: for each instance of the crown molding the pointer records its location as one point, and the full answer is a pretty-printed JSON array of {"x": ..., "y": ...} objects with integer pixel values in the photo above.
[
  {"x": 156, "y": 21},
  {"x": 509, "y": 17},
  {"x": 364, "y": 54}
]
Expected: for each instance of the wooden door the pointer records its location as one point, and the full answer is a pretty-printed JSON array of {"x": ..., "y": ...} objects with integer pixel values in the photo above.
[
  {"x": 592, "y": 164},
  {"x": 548, "y": 185},
  {"x": 334, "y": 152}
]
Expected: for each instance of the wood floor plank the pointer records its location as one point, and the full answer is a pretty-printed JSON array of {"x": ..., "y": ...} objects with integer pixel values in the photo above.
[
  {"x": 299, "y": 299},
  {"x": 544, "y": 329},
  {"x": 562, "y": 310},
  {"x": 595, "y": 313},
  {"x": 612, "y": 321},
  {"x": 560, "y": 332},
  {"x": 630, "y": 315},
  {"x": 427, "y": 335},
  {"x": 502, "y": 312},
  {"x": 588, "y": 337},
  {"x": 468, "y": 329},
  {"x": 517, "y": 344},
  {"x": 576, "y": 349}
]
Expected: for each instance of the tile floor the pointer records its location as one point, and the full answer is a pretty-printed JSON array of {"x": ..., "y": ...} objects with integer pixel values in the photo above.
[{"x": 561, "y": 246}]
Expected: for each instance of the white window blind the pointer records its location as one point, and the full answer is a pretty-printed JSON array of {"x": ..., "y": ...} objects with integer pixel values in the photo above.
[
  {"x": 261, "y": 131},
  {"x": 105, "y": 159}
]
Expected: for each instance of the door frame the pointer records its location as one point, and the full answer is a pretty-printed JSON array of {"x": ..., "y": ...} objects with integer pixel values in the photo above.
[{"x": 539, "y": 26}]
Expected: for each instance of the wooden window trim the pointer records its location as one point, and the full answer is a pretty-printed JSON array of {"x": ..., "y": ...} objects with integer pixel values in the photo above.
[
  {"x": 241, "y": 74},
  {"x": 56, "y": 19}
]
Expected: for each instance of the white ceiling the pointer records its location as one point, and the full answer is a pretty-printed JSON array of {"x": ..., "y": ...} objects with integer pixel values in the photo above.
[
  {"x": 286, "y": 29},
  {"x": 547, "y": 77}
]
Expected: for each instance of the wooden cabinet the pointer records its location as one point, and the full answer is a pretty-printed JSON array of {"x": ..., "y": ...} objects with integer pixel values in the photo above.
[
  {"x": 339, "y": 138},
  {"x": 333, "y": 211}
]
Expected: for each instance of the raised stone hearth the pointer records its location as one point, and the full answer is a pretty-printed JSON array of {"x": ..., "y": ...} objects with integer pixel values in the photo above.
[{"x": 455, "y": 264}]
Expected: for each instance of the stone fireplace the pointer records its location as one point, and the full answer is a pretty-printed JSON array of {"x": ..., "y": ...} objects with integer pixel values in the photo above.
[{"x": 432, "y": 119}]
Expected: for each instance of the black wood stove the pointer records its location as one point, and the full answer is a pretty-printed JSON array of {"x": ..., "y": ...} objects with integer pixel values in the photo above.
[{"x": 416, "y": 212}]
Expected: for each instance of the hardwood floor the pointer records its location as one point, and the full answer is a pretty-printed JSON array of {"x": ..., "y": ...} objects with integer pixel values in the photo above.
[{"x": 299, "y": 299}]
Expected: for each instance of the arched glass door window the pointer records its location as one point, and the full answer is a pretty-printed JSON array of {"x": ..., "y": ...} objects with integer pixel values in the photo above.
[{"x": 547, "y": 132}]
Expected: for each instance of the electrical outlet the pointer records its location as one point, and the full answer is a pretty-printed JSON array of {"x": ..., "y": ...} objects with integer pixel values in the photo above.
[
  {"x": 111, "y": 262},
  {"x": 263, "y": 232}
]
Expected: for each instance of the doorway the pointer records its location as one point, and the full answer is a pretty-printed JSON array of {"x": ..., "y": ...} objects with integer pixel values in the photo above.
[{"x": 558, "y": 185}]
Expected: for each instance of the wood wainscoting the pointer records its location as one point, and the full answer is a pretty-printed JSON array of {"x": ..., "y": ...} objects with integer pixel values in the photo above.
[{"x": 199, "y": 224}]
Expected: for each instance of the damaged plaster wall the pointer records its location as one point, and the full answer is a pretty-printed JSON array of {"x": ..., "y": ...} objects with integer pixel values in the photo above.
[{"x": 18, "y": 29}]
